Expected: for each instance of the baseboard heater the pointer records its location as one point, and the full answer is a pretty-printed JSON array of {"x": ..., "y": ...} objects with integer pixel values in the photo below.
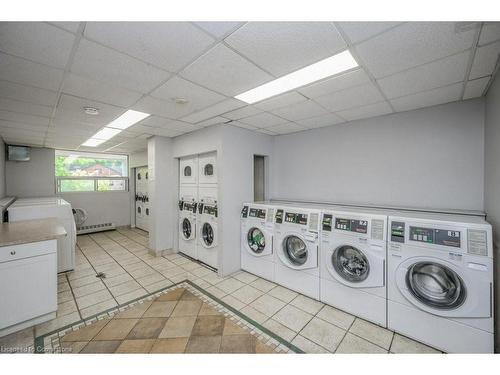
[{"x": 85, "y": 229}]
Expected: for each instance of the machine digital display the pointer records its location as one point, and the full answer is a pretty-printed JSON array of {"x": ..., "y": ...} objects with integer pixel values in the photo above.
[
  {"x": 189, "y": 207},
  {"x": 211, "y": 210},
  {"x": 295, "y": 218},
  {"x": 256, "y": 212},
  {"x": 351, "y": 225},
  {"x": 435, "y": 236},
  {"x": 279, "y": 217},
  {"x": 244, "y": 212},
  {"x": 398, "y": 232},
  {"x": 327, "y": 222}
]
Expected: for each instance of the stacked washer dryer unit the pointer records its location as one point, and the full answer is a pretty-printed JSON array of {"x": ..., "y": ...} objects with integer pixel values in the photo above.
[
  {"x": 207, "y": 216},
  {"x": 257, "y": 230},
  {"x": 296, "y": 249},
  {"x": 353, "y": 262},
  {"x": 188, "y": 201},
  {"x": 440, "y": 281},
  {"x": 142, "y": 198}
]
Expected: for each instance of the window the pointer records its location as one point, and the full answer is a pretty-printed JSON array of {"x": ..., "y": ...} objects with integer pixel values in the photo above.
[{"x": 89, "y": 172}]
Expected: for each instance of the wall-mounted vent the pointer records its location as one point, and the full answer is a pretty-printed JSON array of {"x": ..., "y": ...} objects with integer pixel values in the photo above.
[{"x": 95, "y": 228}]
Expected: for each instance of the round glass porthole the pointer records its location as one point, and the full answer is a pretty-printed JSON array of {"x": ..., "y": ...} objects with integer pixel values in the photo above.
[
  {"x": 209, "y": 170},
  {"x": 207, "y": 233},
  {"x": 186, "y": 229},
  {"x": 256, "y": 240},
  {"x": 435, "y": 285},
  {"x": 350, "y": 263},
  {"x": 187, "y": 171},
  {"x": 295, "y": 250}
]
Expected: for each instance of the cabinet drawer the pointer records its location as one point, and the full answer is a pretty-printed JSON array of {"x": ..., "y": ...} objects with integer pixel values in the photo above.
[{"x": 27, "y": 250}]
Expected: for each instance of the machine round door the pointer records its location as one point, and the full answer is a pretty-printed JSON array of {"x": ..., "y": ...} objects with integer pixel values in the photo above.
[
  {"x": 207, "y": 234},
  {"x": 435, "y": 285},
  {"x": 256, "y": 240},
  {"x": 350, "y": 263},
  {"x": 187, "y": 229},
  {"x": 295, "y": 250},
  {"x": 187, "y": 171}
]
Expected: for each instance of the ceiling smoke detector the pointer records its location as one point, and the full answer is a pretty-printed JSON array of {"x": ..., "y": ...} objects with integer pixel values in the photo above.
[
  {"x": 91, "y": 111},
  {"x": 180, "y": 100}
]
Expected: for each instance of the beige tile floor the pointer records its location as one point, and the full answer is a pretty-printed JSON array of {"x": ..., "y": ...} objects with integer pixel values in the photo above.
[{"x": 131, "y": 272}]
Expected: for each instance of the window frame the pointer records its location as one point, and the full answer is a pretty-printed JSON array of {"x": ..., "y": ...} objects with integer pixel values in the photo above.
[{"x": 95, "y": 179}]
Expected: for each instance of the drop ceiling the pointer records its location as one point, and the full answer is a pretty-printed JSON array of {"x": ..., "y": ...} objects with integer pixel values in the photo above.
[{"x": 50, "y": 71}]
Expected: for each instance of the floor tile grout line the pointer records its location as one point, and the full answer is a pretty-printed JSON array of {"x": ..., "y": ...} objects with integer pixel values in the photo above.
[
  {"x": 73, "y": 294},
  {"x": 99, "y": 280}
]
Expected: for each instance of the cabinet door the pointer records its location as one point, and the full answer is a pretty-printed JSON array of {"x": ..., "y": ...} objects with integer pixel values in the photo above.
[{"x": 28, "y": 288}]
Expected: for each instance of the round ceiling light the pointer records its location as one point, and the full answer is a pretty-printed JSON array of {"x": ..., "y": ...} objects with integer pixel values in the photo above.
[{"x": 91, "y": 111}]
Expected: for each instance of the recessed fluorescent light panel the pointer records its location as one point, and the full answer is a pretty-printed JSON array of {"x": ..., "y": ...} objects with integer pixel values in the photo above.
[
  {"x": 125, "y": 121},
  {"x": 322, "y": 69}
]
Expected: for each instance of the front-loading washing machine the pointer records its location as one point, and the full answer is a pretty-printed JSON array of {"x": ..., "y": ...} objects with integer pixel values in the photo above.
[
  {"x": 187, "y": 229},
  {"x": 207, "y": 250},
  {"x": 353, "y": 261},
  {"x": 440, "y": 281},
  {"x": 257, "y": 230},
  {"x": 207, "y": 168},
  {"x": 296, "y": 248}
]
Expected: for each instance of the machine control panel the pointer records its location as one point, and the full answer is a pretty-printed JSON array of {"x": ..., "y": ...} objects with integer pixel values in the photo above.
[
  {"x": 351, "y": 225},
  {"x": 398, "y": 231},
  {"x": 244, "y": 212},
  {"x": 279, "y": 216},
  {"x": 257, "y": 212},
  {"x": 295, "y": 218},
  {"x": 435, "y": 236},
  {"x": 210, "y": 210},
  {"x": 190, "y": 207},
  {"x": 327, "y": 222}
]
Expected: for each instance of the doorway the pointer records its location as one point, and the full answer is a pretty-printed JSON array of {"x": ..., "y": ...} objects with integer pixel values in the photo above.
[{"x": 259, "y": 178}]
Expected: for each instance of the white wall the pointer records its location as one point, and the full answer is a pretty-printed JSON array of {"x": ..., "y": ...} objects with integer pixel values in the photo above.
[
  {"x": 492, "y": 182},
  {"x": 427, "y": 158},
  {"x": 2, "y": 168},
  {"x": 138, "y": 159},
  {"x": 34, "y": 178}
]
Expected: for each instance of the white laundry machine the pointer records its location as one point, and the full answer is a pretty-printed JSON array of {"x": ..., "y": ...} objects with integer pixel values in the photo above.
[
  {"x": 440, "y": 281},
  {"x": 142, "y": 198},
  {"x": 207, "y": 251},
  {"x": 207, "y": 168},
  {"x": 353, "y": 260},
  {"x": 207, "y": 194},
  {"x": 257, "y": 230},
  {"x": 41, "y": 208},
  {"x": 296, "y": 249},
  {"x": 187, "y": 229},
  {"x": 188, "y": 170}
]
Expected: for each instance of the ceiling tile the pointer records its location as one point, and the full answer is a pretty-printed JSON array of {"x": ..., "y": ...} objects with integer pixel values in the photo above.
[
  {"x": 70, "y": 109},
  {"x": 299, "y": 111},
  {"x": 412, "y": 44},
  {"x": 168, "y": 45},
  {"x": 103, "y": 64},
  {"x": 23, "y": 118},
  {"x": 242, "y": 113},
  {"x": 68, "y": 26},
  {"x": 212, "y": 121},
  {"x": 428, "y": 98},
  {"x": 490, "y": 33},
  {"x": 23, "y": 107},
  {"x": 36, "y": 41},
  {"x": 485, "y": 60},
  {"x": 242, "y": 125},
  {"x": 12, "y": 126},
  {"x": 25, "y": 72},
  {"x": 101, "y": 92},
  {"x": 283, "y": 47},
  {"x": 27, "y": 94},
  {"x": 351, "y": 98},
  {"x": 163, "y": 123},
  {"x": 320, "y": 121},
  {"x": 426, "y": 77},
  {"x": 164, "y": 108},
  {"x": 197, "y": 96},
  {"x": 475, "y": 88},
  {"x": 215, "y": 110},
  {"x": 263, "y": 120},
  {"x": 337, "y": 83},
  {"x": 219, "y": 29},
  {"x": 359, "y": 31},
  {"x": 282, "y": 100},
  {"x": 371, "y": 110},
  {"x": 225, "y": 71},
  {"x": 153, "y": 121},
  {"x": 287, "y": 128}
]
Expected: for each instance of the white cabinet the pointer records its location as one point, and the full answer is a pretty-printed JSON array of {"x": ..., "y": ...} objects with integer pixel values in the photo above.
[{"x": 28, "y": 285}]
